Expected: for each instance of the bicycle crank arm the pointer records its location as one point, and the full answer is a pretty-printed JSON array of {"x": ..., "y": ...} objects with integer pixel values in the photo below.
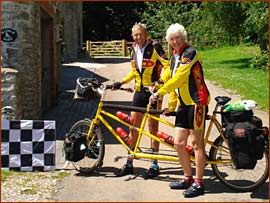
[{"x": 116, "y": 158}]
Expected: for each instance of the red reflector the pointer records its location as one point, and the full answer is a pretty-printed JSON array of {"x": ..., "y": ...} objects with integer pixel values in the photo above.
[{"x": 265, "y": 132}]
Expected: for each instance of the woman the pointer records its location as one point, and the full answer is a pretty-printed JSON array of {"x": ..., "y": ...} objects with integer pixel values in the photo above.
[
  {"x": 146, "y": 69},
  {"x": 185, "y": 82}
]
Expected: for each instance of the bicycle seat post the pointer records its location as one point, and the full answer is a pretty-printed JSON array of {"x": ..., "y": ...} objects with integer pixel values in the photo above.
[{"x": 216, "y": 109}]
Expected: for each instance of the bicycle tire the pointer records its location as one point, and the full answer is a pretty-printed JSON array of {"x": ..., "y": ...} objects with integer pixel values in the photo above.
[
  {"x": 238, "y": 179},
  {"x": 95, "y": 152}
]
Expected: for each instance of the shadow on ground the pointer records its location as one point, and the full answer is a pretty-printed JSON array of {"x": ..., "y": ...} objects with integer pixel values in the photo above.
[
  {"x": 67, "y": 111},
  {"x": 212, "y": 184}
]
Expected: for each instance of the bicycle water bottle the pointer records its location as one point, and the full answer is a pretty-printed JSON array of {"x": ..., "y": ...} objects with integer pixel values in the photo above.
[
  {"x": 190, "y": 150},
  {"x": 124, "y": 136},
  {"x": 165, "y": 137},
  {"x": 125, "y": 117}
]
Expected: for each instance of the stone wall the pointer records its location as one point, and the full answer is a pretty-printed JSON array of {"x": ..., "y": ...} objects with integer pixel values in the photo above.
[
  {"x": 72, "y": 14},
  {"x": 23, "y": 55},
  {"x": 8, "y": 79},
  {"x": 35, "y": 54}
]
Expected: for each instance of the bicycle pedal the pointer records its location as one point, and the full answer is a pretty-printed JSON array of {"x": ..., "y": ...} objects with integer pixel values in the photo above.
[{"x": 116, "y": 158}]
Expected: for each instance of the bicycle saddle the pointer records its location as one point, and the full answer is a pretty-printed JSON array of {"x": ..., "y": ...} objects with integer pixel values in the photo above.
[{"x": 222, "y": 100}]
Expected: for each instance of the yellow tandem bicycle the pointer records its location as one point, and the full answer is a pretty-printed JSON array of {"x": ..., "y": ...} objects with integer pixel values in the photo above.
[{"x": 219, "y": 156}]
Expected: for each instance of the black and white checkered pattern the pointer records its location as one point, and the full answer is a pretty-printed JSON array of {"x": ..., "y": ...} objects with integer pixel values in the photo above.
[{"x": 28, "y": 145}]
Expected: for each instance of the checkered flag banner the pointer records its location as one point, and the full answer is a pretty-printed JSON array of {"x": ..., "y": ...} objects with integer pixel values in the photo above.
[{"x": 28, "y": 145}]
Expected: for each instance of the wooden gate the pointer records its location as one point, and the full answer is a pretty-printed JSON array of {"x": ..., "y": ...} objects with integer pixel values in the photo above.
[{"x": 107, "y": 48}]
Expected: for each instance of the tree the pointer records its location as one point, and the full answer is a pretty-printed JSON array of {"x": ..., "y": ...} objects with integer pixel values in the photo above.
[
  {"x": 159, "y": 15},
  {"x": 195, "y": 16},
  {"x": 203, "y": 29},
  {"x": 229, "y": 16},
  {"x": 256, "y": 23},
  {"x": 110, "y": 20},
  {"x": 207, "y": 23}
]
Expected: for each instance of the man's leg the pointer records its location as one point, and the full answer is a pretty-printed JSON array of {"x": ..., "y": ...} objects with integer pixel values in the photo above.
[
  {"x": 153, "y": 171},
  {"x": 128, "y": 167}
]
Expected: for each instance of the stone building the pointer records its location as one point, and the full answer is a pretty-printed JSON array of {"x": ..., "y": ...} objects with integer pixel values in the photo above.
[{"x": 36, "y": 37}]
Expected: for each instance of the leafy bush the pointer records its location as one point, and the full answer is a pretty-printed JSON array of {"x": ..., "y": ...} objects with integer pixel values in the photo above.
[{"x": 260, "y": 61}]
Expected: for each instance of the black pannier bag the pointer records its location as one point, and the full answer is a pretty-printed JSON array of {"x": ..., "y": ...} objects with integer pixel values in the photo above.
[
  {"x": 75, "y": 147},
  {"x": 86, "y": 89},
  {"x": 260, "y": 142},
  {"x": 236, "y": 116},
  {"x": 241, "y": 144},
  {"x": 246, "y": 143}
]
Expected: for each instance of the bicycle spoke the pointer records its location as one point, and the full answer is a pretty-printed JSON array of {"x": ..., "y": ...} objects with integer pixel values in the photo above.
[
  {"x": 238, "y": 179},
  {"x": 95, "y": 148}
]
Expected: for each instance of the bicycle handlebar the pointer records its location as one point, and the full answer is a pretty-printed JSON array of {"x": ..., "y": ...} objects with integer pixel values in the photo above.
[{"x": 128, "y": 89}]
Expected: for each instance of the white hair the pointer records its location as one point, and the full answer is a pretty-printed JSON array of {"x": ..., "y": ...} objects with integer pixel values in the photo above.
[
  {"x": 139, "y": 26},
  {"x": 176, "y": 29}
]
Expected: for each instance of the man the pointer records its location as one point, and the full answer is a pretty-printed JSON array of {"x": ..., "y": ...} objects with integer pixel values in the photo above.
[{"x": 146, "y": 69}]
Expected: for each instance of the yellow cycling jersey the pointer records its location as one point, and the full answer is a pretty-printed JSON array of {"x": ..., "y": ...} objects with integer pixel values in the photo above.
[
  {"x": 186, "y": 84},
  {"x": 152, "y": 65}
]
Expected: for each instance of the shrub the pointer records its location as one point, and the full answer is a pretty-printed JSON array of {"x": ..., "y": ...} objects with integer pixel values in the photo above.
[{"x": 260, "y": 61}]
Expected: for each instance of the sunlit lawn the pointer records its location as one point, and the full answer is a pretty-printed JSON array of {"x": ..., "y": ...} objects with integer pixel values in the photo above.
[{"x": 229, "y": 67}]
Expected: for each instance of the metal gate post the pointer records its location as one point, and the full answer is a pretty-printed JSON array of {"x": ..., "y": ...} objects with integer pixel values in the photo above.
[
  {"x": 124, "y": 47},
  {"x": 88, "y": 47}
]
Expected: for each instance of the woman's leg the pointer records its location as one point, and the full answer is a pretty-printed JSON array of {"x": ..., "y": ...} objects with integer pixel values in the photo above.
[
  {"x": 180, "y": 142},
  {"x": 197, "y": 137}
]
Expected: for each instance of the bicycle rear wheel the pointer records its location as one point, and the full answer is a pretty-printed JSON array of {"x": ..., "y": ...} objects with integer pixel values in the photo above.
[
  {"x": 237, "y": 179},
  {"x": 96, "y": 148}
]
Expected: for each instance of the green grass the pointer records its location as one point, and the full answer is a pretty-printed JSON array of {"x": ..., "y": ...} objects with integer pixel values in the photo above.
[
  {"x": 5, "y": 174},
  {"x": 229, "y": 67}
]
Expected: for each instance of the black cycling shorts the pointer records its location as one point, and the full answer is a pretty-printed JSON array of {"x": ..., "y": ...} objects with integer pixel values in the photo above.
[
  {"x": 191, "y": 117},
  {"x": 141, "y": 99}
]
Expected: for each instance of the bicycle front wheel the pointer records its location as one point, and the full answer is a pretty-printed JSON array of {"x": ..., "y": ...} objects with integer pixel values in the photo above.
[
  {"x": 237, "y": 179},
  {"x": 96, "y": 148}
]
